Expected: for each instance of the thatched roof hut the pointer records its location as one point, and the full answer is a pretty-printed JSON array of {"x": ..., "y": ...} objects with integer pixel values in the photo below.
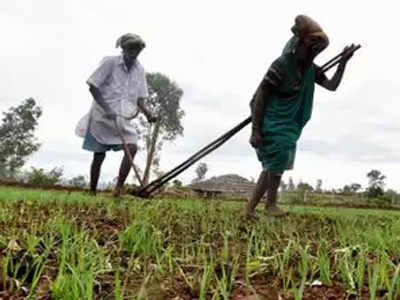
[{"x": 230, "y": 184}]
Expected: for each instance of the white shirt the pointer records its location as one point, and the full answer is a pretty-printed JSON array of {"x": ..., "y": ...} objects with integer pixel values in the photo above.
[{"x": 121, "y": 89}]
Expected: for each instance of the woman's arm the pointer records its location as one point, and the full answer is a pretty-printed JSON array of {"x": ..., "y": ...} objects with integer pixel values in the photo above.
[{"x": 333, "y": 83}]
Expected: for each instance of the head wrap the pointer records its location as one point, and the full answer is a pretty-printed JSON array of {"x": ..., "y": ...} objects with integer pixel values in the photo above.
[
  {"x": 309, "y": 32},
  {"x": 130, "y": 38}
]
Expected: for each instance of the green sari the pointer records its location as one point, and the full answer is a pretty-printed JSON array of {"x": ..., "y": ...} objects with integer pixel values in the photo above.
[{"x": 287, "y": 110}]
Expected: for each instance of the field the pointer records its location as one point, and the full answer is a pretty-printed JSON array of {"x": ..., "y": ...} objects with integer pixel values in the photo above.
[{"x": 69, "y": 245}]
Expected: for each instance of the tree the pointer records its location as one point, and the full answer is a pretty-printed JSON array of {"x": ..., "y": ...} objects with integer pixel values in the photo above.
[
  {"x": 346, "y": 190},
  {"x": 201, "y": 171},
  {"x": 38, "y": 176},
  {"x": 78, "y": 181},
  {"x": 164, "y": 101},
  {"x": 351, "y": 189},
  {"x": 283, "y": 186},
  {"x": 291, "y": 186},
  {"x": 376, "y": 183},
  {"x": 304, "y": 186},
  {"x": 17, "y": 140},
  {"x": 318, "y": 186},
  {"x": 355, "y": 187},
  {"x": 177, "y": 183}
]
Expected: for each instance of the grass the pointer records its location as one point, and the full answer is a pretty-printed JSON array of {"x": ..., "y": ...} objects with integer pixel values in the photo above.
[{"x": 68, "y": 245}]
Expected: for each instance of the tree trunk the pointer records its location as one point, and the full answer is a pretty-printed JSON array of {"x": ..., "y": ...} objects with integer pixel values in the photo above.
[{"x": 150, "y": 154}]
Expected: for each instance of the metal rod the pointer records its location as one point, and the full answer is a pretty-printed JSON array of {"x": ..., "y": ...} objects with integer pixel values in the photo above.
[
  {"x": 334, "y": 61},
  {"x": 189, "y": 162},
  {"x": 339, "y": 55},
  {"x": 194, "y": 158},
  {"x": 203, "y": 149}
]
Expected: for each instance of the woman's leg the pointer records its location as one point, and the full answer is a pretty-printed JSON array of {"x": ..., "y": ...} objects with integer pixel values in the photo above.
[
  {"x": 271, "y": 206},
  {"x": 259, "y": 191}
]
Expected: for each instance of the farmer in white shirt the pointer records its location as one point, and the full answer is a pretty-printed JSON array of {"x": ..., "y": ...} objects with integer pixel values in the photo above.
[{"x": 119, "y": 88}]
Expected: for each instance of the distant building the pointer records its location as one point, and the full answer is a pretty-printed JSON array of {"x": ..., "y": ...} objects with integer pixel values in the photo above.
[{"x": 225, "y": 185}]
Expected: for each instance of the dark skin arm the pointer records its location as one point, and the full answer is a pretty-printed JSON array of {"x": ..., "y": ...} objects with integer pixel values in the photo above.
[
  {"x": 149, "y": 116},
  {"x": 333, "y": 83},
  {"x": 258, "y": 106}
]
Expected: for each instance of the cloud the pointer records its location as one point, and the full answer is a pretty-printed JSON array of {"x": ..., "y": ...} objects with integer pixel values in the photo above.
[{"x": 352, "y": 148}]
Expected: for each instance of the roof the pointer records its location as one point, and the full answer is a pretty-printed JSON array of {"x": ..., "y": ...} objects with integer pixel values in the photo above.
[{"x": 230, "y": 183}]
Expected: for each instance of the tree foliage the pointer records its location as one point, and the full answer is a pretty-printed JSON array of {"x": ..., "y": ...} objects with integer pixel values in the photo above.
[
  {"x": 283, "y": 186},
  {"x": 164, "y": 101},
  {"x": 304, "y": 186},
  {"x": 201, "y": 171},
  {"x": 355, "y": 187},
  {"x": 376, "y": 183},
  {"x": 38, "y": 176},
  {"x": 177, "y": 183},
  {"x": 351, "y": 189},
  {"x": 291, "y": 186},
  {"x": 78, "y": 181},
  {"x": 318, "y": 186},
  {"x": 17, "y": 139}
]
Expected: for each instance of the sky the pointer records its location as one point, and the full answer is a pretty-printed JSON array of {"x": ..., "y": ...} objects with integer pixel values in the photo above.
[{"x": 217, "y": 52}]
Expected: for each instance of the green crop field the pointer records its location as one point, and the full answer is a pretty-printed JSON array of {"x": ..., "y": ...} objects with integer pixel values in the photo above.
[{"x": 69, "y": 245}]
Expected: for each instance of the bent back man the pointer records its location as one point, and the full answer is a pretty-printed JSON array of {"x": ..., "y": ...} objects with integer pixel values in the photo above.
[
  {"x": 282, "y": 106},
  {"x": 119, "y": 88}
]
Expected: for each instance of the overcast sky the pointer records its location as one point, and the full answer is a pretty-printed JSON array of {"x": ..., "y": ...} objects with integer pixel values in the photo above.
[{"x": 217, "y": 52}]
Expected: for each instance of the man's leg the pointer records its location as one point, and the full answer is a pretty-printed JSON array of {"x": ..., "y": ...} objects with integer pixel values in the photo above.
[
  {"x": 259, "y": 191},
  {"x": 124, "y": 170},
  {"x": 271, "y": 206},
  {"x": 98, "y": 158}
]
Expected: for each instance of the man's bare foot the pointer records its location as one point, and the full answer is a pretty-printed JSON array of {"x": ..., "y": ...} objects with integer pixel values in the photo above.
[
  {"x": 275, "y": 211},
  {"x": 116, "y": 192},
  {"x": 249, "y": 214}
]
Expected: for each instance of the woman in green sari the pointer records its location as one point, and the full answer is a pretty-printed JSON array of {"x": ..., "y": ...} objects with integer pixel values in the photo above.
[{"x": 282, "y": 107}]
